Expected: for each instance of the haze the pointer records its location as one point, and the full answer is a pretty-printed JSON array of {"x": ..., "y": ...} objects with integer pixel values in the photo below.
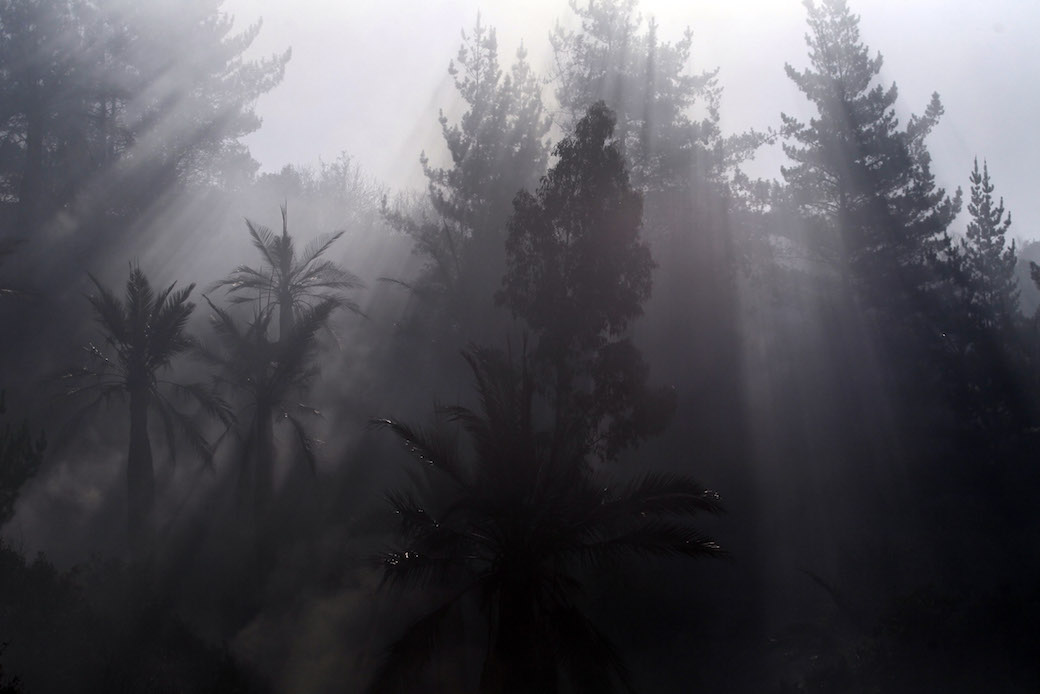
[{"x": 519, "y": 347}]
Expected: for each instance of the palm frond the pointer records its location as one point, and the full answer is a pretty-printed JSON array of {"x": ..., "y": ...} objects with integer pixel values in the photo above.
[
  {"x": 211, "y": 403},
  {"x": 264, "y": 240},
  {"x": 587, "y": 655},
  {"x": 659, "y": 493},
  {"x": 411, "y": 652},
  {"x": 288, "y": 279},
  {"x": 650, "y": 538},
  {"x": 177, "y": 422},
  {"x": 432, "y": 449},
  {"x": 167, "y": 336},
  {"x": 306, "y": 444},
  {"x": 318, "y": 246},
  {"x": 413, "y": 568},
  {"x": 109, "y": 311},
  {"x": 104, "y": 393},
  {"x": 327, "y": 275},
  {"x": 244, "y": 277}
]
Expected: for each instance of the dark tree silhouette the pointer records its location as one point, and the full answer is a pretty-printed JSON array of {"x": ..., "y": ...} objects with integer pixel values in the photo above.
[
  {"x": 84, "y": 84},
  {"x": 985, "y": 322},
  {"x": 292, "y": 283},
  {"x": 864, "y": 184},
  {"x": 617, "y": 59},
  {"x": 146, "y": 331},
  {"x": 20, "y": 457},
  {"x": 989, "y": 260},
  {"x": 497, "y": 148},
  {"x": 578, "y": 274},
  {"x": 518, "y": 521},
  {"x": 268, "y": 378}
]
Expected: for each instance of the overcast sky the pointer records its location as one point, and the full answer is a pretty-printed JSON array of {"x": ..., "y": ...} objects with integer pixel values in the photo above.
[{"x": 368, "y": 78}]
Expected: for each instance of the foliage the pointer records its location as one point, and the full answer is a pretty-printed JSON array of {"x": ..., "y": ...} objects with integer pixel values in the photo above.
[
  {"x": 146, "y": 331},
  {"x": 114, "y": 98},
  {"x": 989, "y": 261},
  {"x": 864, "y": 184},
  {"x": 335, "y": 194},
  {"x": 924, "y": 639},
  {"x": 519, "y": 518},
  {"x": 496, "y": 149},
  {"x": 578, "y": 274},
  {"x": 267, "y": 378},
  {"x": 20, "y": 458},
  {"x": 294, "y": 284},
  {"x": 94, "y": 628},
  {"x": 614, "y": 59}
]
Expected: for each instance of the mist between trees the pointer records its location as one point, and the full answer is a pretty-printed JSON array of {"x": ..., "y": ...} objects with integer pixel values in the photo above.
[{"x": 593, "y": 411}]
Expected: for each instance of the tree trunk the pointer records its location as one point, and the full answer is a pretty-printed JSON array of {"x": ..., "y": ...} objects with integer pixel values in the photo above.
[
  {"x": 285, "y": 317},
  {"x": 515, "y": 663},
  {"x": 263, "y": 472},
  {"x": 140, "y": 479}
]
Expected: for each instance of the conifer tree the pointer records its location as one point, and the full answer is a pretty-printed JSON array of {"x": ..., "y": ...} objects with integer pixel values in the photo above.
[
  {"x": 496, "y": 149},
  {"x": 862, "y": 181},
  {"x": 578, "y": 273},
  {"x": 617, "y": 59},
  {"x": 989, "y": 260},
  {"x": 84, "y": 85}
]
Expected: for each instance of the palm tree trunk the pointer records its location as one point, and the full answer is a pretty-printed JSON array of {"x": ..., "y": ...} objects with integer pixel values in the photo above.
[
  {"x": 140, "y": 479},
  {"x": 263, "y": 473},
  {"x": 515, "y": 664},
  {"x": 285, "y": 321}
]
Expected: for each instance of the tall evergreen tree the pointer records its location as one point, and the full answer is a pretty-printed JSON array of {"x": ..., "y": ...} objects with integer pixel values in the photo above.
[
  {"x": 615, "y": 59},
  {"x": 989, "y": 260},
  {"x": 578, "y": 274},
  {"x": 991, "y": 355},
  {"x": 497, "y": 148},
  {"x": 161, "y": 89},
  {"x": 864, "y": 184}
]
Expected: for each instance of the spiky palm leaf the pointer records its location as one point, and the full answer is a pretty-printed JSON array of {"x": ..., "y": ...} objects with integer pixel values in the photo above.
[
  {"x": 304, "y": 280},
  {"x": 518, "y": 523},
  {"x": 146, "y": 331},
  {"x": 267, "y": 378}
]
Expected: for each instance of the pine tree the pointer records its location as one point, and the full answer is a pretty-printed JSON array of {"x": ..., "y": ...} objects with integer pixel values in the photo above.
[
  {"x": 578, "y": 274},
  {"x": 86, "y": 85},
  {"x": 497, "y": 148},
  {"x": 991, "y": 357},
  {"x": 989, "y": 261},
  {"x": 615, "y": 59},
  {"x": 865, "y": 184}
]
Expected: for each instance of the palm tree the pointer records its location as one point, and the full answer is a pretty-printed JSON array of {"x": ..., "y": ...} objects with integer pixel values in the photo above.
[
  {"x": 522, "y": 516},
  {"x": 293, "y": 283},
  {"x": 146, "y": 332},
  {"x": 268, "y": 378}
]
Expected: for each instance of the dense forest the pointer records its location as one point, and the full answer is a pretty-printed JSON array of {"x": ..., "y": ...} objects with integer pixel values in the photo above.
[{"x": 594, "y": 410}]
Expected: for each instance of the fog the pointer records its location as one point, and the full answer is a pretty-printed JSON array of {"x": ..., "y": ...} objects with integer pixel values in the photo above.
[{"x": 461, "y": 346}]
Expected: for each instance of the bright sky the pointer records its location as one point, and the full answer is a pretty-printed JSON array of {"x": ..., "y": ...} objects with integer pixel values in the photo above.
[{"x": 368, "y": 78}]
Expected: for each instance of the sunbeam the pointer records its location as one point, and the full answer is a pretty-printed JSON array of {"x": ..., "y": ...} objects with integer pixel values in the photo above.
[{"x": 462, "y": 346}]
